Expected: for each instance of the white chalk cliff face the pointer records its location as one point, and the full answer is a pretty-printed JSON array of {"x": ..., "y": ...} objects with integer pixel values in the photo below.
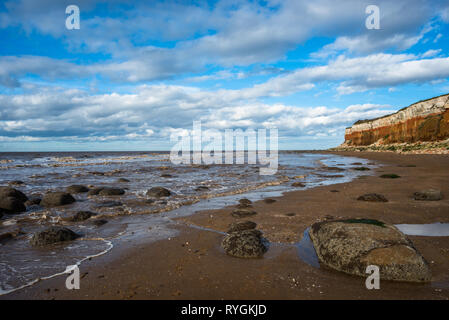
[{"x": 426, "y": 120}]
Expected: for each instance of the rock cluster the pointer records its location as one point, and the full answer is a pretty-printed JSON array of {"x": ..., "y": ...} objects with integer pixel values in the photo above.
[{"x": 244, "y": 241}]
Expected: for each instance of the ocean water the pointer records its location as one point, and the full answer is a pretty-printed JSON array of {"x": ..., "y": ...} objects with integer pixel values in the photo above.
[{"x": 134, "y": 216}]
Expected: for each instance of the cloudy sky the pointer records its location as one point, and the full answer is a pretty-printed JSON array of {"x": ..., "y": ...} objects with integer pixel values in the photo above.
[{"x": 134, "y": 73}]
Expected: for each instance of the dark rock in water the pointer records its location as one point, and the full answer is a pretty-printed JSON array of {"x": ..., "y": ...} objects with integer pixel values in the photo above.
[
  {"x": 245, "y": 201},
  {"x": 298, "y": 184},
  {"x": 33, "y": 202},
  {"x": 81, "y": 216},
  {"x": 201, "y": 188},
  {"x": 158, "y": 192},
  {"x": 12, "y": 205},
  {"x": 94, "y": 191},
  {"x": 353, "y": 244},
  {"x": 16, "y": 183},
  {"x": 428, "y": 195},
  {"x": 333, "y": 169},
  {"x": 11, "y": 192},
  {"x": 240, "y": 213},
  {"x": 268, "y": 200},
  {"x": 111, "y": 192},
  {"x": 244, "y": 244},
  {"x": 356, "y": 164},
  {"x": 77, "y": 189},
  {"x": 53, "y": 235},
  {"x": 241, "y": 225},
  {"x": 361, "y": 169},
  {"x": 54, "y": 199},
  {"x": 390, "y": 176},
  {"x": 166, "y": 175},
  {"x": 122, "y": 180},
  {"x": 108, "y": 204},
  {"x": 99, "y": 222},
  {"x": 373, "y": 197}
]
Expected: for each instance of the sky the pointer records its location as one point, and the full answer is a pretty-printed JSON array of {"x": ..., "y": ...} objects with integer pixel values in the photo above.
[{"x": 135, "y": 73}]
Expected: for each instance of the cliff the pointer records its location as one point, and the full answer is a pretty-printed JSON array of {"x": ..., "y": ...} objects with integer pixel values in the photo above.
[{"x": 422, "y": 121}]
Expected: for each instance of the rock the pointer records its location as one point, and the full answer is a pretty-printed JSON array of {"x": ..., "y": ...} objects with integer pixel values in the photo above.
[
  {"x": 53, "y": 235},
  {"x": 245, "y": 201},
  {"x": 269, "y": 201},
  {"x": 298, "y": 184},
  {"x": 12, "y": 205},
  {"x": 94, "y": 191},
  {"x": 81, "y": 216},
  {"x": 11, "y": 192},
  {"x": 99, "y": 222},
  {"x": 77, "y": 189},
  {"x": 361, "y": 169},
  {"x": 244, "y": 244},
  {"x": 166, "y": 175},
  {"x": 53, "y": 199},
  {"x": 158, "y": 192},
  {"x": 122, "y": 180},
  {"x": 109, "y": 204},
  {"x": 428, "y": 195},
  {"x": 33, "y": 202},
  {"x": 390, "y": 176},
  {"x": 372, "y": 197},
  {"x": 353, "y": 244},
  {"x": 241, "y": 225},
  {"x": 240, "y": 213},
  {"x": 201, "y": 188},
  {"x": 111, "y": 192}
]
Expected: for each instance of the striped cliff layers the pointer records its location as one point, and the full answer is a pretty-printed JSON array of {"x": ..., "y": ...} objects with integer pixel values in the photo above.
[{"x": 426, "y": 120}]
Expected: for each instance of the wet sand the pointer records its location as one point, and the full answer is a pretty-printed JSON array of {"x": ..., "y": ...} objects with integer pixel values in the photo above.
[{"x": 193, "y": 265}]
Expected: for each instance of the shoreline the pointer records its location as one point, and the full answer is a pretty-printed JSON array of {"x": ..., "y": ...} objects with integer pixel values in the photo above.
[{"x": 193, "y": 266}]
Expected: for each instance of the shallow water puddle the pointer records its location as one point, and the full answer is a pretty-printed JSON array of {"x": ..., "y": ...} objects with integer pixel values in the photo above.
[
  {"x": 429, "y": 230},
  {"x": 306, "y": 250}
]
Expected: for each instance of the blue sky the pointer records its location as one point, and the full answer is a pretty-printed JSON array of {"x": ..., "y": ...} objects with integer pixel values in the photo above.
[{"x": 137, "y": 72}]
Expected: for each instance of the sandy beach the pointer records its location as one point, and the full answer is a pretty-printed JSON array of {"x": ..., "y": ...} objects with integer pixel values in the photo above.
[{"x": 193, "y": 265}]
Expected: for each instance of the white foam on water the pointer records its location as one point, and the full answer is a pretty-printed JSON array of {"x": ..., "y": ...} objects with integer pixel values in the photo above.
[{"x": 67, "y": 270}]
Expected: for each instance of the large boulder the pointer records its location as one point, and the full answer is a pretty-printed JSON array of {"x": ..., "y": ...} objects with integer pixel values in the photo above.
[
  {"x": 111, "y": 192},
  {"x": 428, "y": 195},
  {"x": 77, "y": 189},
  {"x": 158, "y": 192},
  {"x": 11, "y": 192},
  {"x": 244, "y": 244},
  {"x": 53, "y": 235},
  {"x": 54, "y": 199},
  {"x": 12, "y": 205},
  {"x": 351, "y": 245}
]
